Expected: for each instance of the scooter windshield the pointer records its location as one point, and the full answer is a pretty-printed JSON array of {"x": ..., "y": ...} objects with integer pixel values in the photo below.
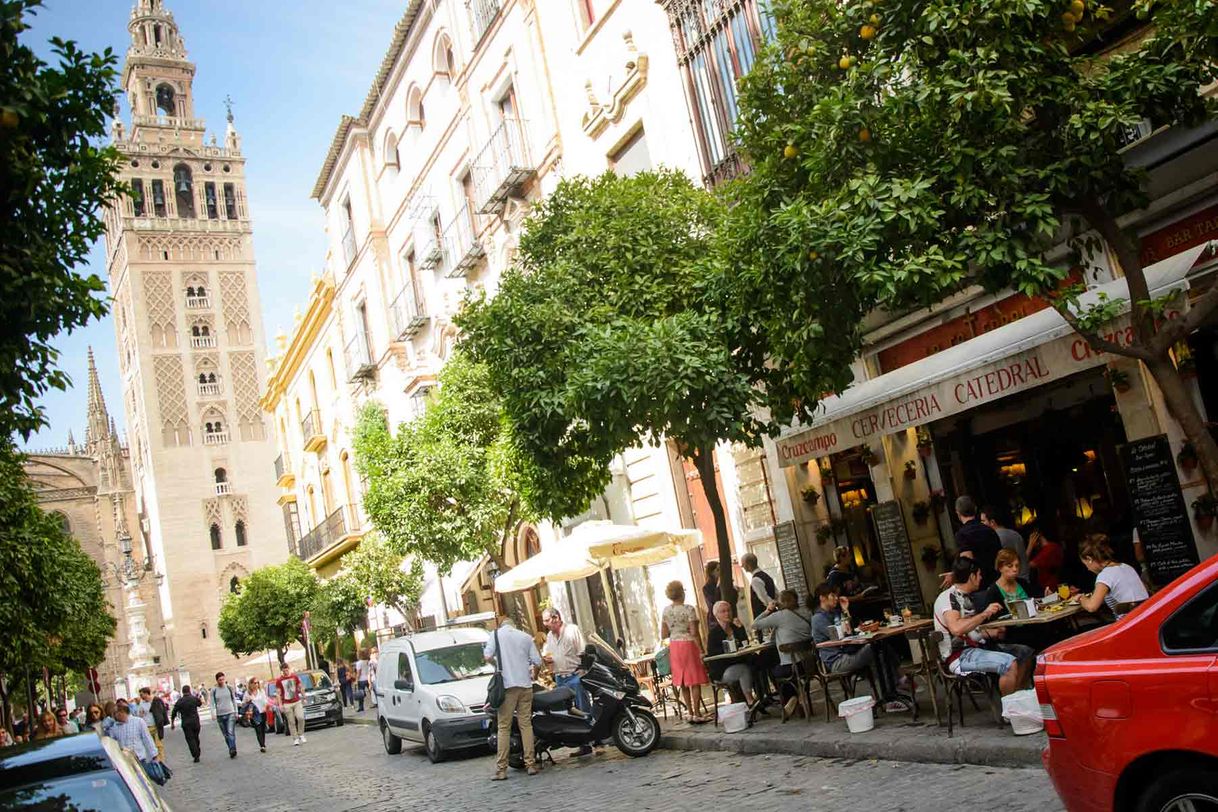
[{"x": 607, "y": 653}]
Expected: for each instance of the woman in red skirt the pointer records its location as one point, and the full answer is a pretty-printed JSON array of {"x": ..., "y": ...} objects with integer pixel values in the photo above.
[{"x": 680, "y": 624}]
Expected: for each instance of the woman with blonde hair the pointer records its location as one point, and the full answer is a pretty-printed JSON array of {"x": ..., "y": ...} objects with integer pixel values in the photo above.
[
  {"x": 680, "y": 624},
  {"x": 1115, "y": 583},
  {"x": 47, "y": 727}
]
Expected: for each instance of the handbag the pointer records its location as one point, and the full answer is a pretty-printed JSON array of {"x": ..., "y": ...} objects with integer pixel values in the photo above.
[
  {"x": 495, "y": 692},
  {"x": 359, "y": 694},
  {"x": 155, "y": 771}
]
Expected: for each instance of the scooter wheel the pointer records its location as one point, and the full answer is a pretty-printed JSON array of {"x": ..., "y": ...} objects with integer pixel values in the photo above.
[
  {"x": 516, "y": 753},
  {"x": 636, "y": 738}
]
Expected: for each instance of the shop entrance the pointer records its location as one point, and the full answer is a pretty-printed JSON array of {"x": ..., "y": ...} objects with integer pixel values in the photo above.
[{"x": 1048, "y": 459}]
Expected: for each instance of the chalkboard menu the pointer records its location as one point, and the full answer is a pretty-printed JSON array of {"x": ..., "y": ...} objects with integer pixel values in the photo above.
[
  {"x": 1158, "y": 508},
  {"x": 898, "y": 557},
  {"x": 791, "y": 557}
]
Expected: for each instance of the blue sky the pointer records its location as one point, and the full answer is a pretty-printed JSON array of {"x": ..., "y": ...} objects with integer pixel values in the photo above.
[{"x": 292, "y": 68}]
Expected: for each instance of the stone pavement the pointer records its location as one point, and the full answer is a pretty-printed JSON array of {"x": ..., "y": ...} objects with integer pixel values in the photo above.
[
  {"x": 896, "y": 737},
  {"x": 347, "y": 769}
]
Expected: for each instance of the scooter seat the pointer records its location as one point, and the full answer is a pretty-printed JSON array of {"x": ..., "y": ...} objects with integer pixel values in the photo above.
[{"x": 557, "y": 699}]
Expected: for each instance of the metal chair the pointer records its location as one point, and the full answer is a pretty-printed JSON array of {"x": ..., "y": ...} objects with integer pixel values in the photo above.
[
  {"x": 820, "y": 673},
  {"x": 664, "y": 691},
  {"x": 955, "y": 686},
  {"x": 926, "y": 669},
  {"x": 799, "y": 679}
]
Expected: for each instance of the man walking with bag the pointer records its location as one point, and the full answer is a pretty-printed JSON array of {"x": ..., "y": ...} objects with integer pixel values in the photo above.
[
  {"x": 516, "y": 662},
  {"x": 187, "y": 707},
  {"x": 224, "y": 706},
  {"x": 132, "y": 734}
]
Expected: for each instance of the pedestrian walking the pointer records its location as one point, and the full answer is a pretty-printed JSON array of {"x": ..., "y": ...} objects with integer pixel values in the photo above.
[
  {"x": 65, "y": 724},
  {"x": 373, "y": 663},
  {"x": 48, "y": 727},
  {"x": 255, "y": 710},
  {"x": 146, "y": 709},
  {"x": 344, "y": 683},
  {"x": 187, "y": 707},
  {"x": 516, "y": 657},
  {"x": 362, "y": 666},
  {"x": 132, "y": 734},
  {"x": 93, "y": 718},
  {"x": 224, "y": 706},
  {"x": 291, "y": 693}
]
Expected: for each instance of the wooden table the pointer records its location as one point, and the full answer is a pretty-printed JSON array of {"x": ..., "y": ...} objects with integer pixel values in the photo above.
[
  {"x": 885, "y": 660},
  {"x": 882, "y": 633},
  {"x": 1041, "y": 618},
  {"x": 741, "y": 653}
]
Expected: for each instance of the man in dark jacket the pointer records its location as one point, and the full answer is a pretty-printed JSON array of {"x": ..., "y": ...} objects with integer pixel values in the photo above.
[
  {"x": 160, "y": 715},
  {"x": 976, "y": 540},
  {"x": 188, "y": 708},
  {"x": 762, "y": 590}
]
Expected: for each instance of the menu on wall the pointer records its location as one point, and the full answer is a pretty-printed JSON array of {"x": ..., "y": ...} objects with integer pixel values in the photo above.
[
  {"x": 898, "y": 557},
  {"x": 791, "y": 557},
  {"x": 1158, "y": 508}
]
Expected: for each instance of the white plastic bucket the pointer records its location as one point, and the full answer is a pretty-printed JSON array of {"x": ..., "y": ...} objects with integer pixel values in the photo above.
[
  {"x": 858, "y": 713},
  {"x": 734, "y": 717},
  {"x": 1022, "y": 710}
]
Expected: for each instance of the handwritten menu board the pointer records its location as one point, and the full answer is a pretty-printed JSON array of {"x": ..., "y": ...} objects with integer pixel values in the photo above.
[
  {"x": 1158, "y": 508},
  {"x": 898, "y": 557},
  {"x": 791, "y": 557}
]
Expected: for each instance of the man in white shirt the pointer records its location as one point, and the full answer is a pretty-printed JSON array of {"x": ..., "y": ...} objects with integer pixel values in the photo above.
[
  {"x": 515, "y": 656},
  {"x": 562, "y": 651}
]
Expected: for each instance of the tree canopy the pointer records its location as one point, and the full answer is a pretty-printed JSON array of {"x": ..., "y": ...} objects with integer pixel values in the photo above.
[
  {"x": 267, "y": 612},
  {"x": 340, "y": 607},
  {"x": 379, "y": 572},
  {"x": 53, "y": 178},
  {"x": 608, "y": 329},
  {"x": 901, "y": 150}
]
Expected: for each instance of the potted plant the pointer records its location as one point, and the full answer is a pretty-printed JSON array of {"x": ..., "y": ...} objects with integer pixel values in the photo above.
[
  {"x": 921, "y": 512},
  {"x": 824, "y": 533},
  {"x": 1118, "y": 379},
  {"x": 1205, "y": 507},
  {"x": 938, "y": 500},
  {"x": 930, "y": 557},
  {"x": 1187, "y": 457},
  {"x": 926, "y": 445},
  {"x": 826, "y": 469},
  {"x": 810, "y": 495},
  {"x": 911, "y": 470},
  {"x": 870, "y": 458}
]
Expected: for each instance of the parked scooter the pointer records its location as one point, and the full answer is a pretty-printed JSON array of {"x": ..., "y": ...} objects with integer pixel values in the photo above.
[{"x": 619, "y": 711}]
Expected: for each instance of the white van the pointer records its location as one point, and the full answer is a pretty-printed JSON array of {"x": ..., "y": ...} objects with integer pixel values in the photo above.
[{"x": 431, "y": 689}]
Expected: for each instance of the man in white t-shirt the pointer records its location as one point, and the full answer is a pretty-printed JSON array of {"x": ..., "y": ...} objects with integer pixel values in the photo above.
[
  {"x": 362, "y": 668},
  {"x": 562, "y": 651},
  {"x": 965, "y": 647}
]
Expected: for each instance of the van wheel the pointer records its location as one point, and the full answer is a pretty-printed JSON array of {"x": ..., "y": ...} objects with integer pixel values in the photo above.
[
  {"x": 1193, "y": 789},
  {"x": 435, "y": 753},
  {"x": 393, "y": 745}
]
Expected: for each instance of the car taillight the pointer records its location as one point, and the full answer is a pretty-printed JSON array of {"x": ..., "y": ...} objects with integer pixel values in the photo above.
[{"x": 1052, "y": 726}]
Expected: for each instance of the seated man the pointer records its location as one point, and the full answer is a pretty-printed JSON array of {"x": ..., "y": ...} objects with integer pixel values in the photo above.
[
  {"x": 830, "y": 609},
  {"x": 965, "y": 647}
]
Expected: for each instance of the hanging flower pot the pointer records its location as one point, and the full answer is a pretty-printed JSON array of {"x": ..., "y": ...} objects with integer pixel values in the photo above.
[
  {"x": 911, "y": 470},
  {"x": 930, "y": 557},
  {"x": 823, "y": 534},
  {"x": 1118, "y": 379},
  {"x": 926, "y": 445},
  {"x": 810, "y": 495},
  {"x": 1205, "y": 507},
  {"x": 921, "y": 512},
  {"x": 870, "y": 459}
]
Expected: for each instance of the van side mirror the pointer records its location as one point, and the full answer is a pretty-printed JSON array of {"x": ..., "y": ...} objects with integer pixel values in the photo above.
[{"x": 403, "y": 685}]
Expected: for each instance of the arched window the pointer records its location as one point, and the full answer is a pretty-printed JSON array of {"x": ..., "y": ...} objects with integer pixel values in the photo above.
[
  {"x": 239, "y": 531},
  {"x": 203, "y": 631},
  {"x": 64, "y": 524},
  {"x": 415, "y": 116},
  {"x": 443, "y": 61},
  {"x": 202, "y": 378},
  {"x": 211, "y": 377},
  {"x": 234, "y": 585},
  {"x": 391, "y": 150},
  {"x": 184, "y": 190},
  {"x": 215, "y": 536},
  {"x": 190, "y": 290},
  {"x": 194, "y": 330},
  {"x": 165, "y": 100},
  {"x": 200, "y": 291},
  {"x": 221, "y": 475}
]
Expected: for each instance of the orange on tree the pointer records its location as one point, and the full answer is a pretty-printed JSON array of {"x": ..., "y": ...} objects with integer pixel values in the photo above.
[
  {"x": 867, "y": 32},
  {"x": 790, "y": 151},
  {"x": 864, "y": 135}
]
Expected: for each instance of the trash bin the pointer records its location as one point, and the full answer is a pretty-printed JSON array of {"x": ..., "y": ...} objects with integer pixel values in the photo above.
[
  {"x": 735, "y": 717},
  {"x": 858, "y": 713}
]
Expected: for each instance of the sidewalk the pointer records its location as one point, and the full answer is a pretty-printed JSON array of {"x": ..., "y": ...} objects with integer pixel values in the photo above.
[
  {"x": 353, "y": 717},
  {"x": 896, "y": 737}
]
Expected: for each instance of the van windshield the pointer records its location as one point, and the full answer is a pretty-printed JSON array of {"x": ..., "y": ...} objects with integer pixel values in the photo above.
[{"x": 452, "y": 664}]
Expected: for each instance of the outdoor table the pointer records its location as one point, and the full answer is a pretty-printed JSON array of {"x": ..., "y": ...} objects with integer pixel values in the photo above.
[
  {"x": 1047, "y": 615},
  {"x": 753, "y": 653},
  {"x": 644, "y": 669},
  {"x": 885, "y": 667}
]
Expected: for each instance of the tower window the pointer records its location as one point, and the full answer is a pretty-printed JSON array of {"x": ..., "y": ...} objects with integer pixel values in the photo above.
[
  {"x": 165, "y": 100},
  {"x": 137, "y": 197},
  {"x": 158, "y": 198},
  {"x": 239, "y": 530},
  {"x": 215, "y": 536},
  {"x": 184, "y": 191},
  {"x": 209, "y": 196},
  {"x": 220, "y": 473},
  {"x": 234, "y": 584},
  {"x": 230, "y": 201}
]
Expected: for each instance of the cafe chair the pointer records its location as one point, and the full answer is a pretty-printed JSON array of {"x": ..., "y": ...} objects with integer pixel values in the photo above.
[
  {"x": 926, "y": 671},
  {"x": 956, "y": 686},
  {"x": 804, "y": 653},
  {"x": 664, "y": 691}
]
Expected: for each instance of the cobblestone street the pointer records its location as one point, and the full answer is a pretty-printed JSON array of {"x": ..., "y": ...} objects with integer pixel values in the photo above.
[{"x": 347, "y": 769}]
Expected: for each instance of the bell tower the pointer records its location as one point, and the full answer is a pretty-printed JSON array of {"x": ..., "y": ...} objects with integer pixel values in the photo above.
[{"x": 180, "y": 260}]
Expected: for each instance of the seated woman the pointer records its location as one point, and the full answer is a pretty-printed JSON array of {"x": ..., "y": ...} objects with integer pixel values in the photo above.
[
  {"x": 726, "y": 628},
  {"x": 1115, "y": 583},
  {"x": 842, "y": 576},
  {"x": 1009, "y": 586},
  {"x": 790, "y": 625}
]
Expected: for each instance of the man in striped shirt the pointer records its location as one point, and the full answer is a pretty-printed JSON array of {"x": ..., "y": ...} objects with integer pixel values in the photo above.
[{"x": 132, "y": 734}]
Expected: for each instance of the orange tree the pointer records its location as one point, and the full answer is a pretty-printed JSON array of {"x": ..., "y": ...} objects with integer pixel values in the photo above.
[{"x": 904, "y": 149}]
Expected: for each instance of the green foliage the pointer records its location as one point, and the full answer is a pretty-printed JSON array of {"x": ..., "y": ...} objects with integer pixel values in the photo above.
[
  {"x": 608, "y": 329},
  {"x": 53, "y": 177},
  {"x": 54, "y": 611},
  {"x": 447, "y": 486},
  {"x": 376, "y": 570},
  {"x": 963, "y": 140},
  {"x": 267, "y": 612},
  {"x": 339, "y": 607}
]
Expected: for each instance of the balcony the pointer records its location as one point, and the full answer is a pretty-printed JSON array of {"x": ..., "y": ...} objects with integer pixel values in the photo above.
[
  {"x": 481, "y": 14},
  {"x": 198, "y": 302},
  {"x": 461, "y": 245},
  {"x": 331, "y": 538},
  {"x": 209, "y": 390},
  {"x": 503, "y": 167},
  {"x": 284, "y": 477},
  {"x": 359, "y": 359},
  {"x": 433, "y": 254},
  {"x": 215, "y": 438},
  {"x": 168, "y": 121},
  {"x": 311, "y": 431},
  {"x": 730, "y": 166},
  {"x": 203, "y": 342},
  {"x": 224, "y": 488},
  {"x": 407, "y": 313},
  {"x": 349, "y": 247}
]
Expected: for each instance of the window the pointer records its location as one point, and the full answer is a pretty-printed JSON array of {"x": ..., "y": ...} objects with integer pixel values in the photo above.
[
  {"x": 349, "y": 248},
  {"x": 239, "y": 531},
  {"x": 221, "y": 474},
  {"x": 632, "y": 157},
  {"x": 203, "y": 631},
  {"x": 158, "y": 198},
  {"x": 184, "y": 191},
  {"x": 404, "y": 672},
  {"x": 164, "y": 94},
  {"x": 209, "y": 199},
  {"x": 415, "y": 115},
  {"x": 215, "y": 538},
  {"x": 391, "y": 151},
  {"x": 1194, "y": 626},
  {"x": 291, "y": 522},
  {"x": 137, "y": 197},
  {"x": 64, "y": 524},
  {"x": 230, "y": 201}
]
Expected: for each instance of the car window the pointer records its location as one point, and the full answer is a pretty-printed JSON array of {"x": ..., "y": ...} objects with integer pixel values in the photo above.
[
  {"x": 311, "y": 681},
  {"x": 452, "y": 663},
  {"x": 1194, "y": 626},
  {"x": 102, "y": 791},
  {"x": 404, "y": 671},
  {"x": 272, "y": 690}
]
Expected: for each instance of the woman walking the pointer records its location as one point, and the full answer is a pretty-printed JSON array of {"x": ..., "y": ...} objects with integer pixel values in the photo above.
[
  {"x": 255, "y": 710},
  {"x": 680, "y": 624},
  {"x": 47, "y": 728}
]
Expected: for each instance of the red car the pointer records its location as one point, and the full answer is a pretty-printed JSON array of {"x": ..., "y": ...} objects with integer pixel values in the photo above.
[{"x": 1131, "y": 709}]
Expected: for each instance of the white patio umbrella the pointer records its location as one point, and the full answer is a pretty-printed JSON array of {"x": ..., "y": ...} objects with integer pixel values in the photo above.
[
  {"x": 625, "y": 545},
  {"x": 563, "y": 561}
]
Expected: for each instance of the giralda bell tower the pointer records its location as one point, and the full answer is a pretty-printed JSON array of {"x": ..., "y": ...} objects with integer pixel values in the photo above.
[{"x": 191, "y": 348}]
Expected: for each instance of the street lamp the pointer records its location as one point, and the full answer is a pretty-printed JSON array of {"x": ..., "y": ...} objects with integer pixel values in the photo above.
[{"x": 122, "y": 573}]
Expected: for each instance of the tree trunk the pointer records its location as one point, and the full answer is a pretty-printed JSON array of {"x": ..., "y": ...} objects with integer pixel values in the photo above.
[
  {"x": 6, "y": 709},
  {"x": 1184, "y": 409},
  {"x": 704, "y": 461},
  {"x": 280, "y": 656}
]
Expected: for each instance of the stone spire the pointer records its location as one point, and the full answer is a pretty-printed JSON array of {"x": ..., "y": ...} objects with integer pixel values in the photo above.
[
  {"x": 71, "y": 442},
  {"x": 99, "y": 419}
]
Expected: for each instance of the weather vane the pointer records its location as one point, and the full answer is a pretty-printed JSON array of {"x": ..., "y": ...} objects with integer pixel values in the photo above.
[{"x": 228, "y": 105}]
